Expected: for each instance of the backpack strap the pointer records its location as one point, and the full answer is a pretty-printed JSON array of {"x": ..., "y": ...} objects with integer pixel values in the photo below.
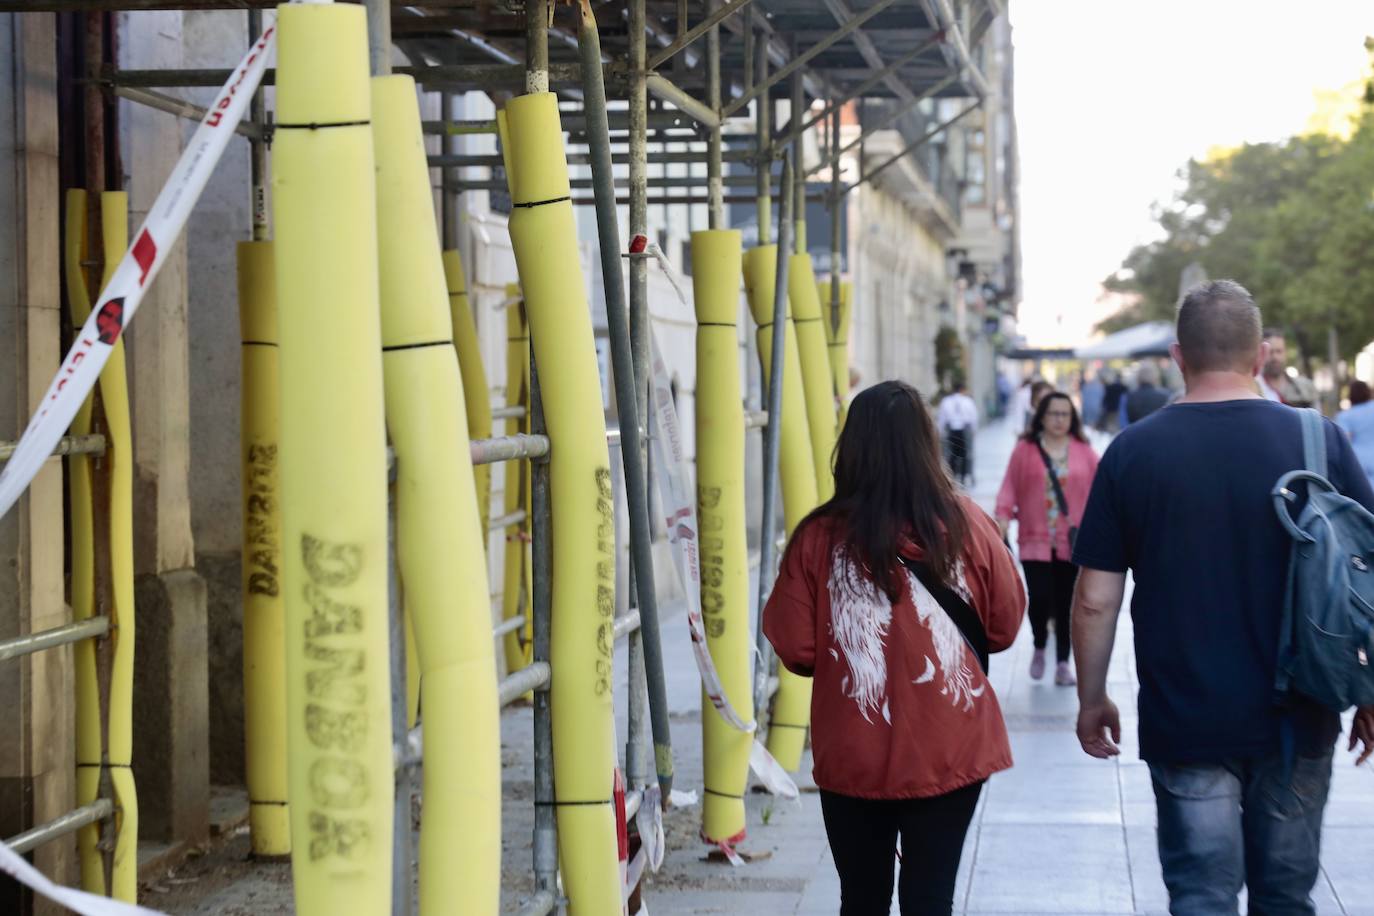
[
  {"x": 959, "y": 610},
  {"x": 1313, "y": 441}
]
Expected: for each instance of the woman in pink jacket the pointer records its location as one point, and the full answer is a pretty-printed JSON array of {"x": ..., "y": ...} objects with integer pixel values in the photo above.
[{"x": 1049, "y": 508}]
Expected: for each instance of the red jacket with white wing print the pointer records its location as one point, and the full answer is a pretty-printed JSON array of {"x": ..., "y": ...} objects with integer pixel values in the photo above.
[{"x": 900, "y": 707}]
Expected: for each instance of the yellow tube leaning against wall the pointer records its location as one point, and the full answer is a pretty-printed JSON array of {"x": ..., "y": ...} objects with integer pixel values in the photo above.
[
  {"x": 816, "y": 373},
  {"x": 333, "y": 465},
  {"x": 476, "y": 393},
  {"x": 544, "y": 235},
  {"x": 119, "y": 456},
  {"x": 792, "y": 704},
  {"x": 716, "y": 269},
  {"x": 89, "y": 730},
  {"x": 516, "y": 591},
  {"x": 438, "y": 532},
  {"x": 264, "y": 628}
]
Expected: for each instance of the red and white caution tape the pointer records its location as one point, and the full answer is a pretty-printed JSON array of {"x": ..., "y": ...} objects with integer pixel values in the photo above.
[
  {"x": 80, "y": 902},
  {"x": 122, "y": 295}
]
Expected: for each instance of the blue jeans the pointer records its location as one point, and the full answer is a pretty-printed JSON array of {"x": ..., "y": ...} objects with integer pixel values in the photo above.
[{"x": 1241, "y": 823}]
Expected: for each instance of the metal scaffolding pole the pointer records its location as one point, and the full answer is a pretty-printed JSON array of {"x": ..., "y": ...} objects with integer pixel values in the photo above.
[
  {"x": 860, "y": 90},
  {"x": 541, "y": 609},
  {"x": 664, "y": 157},
  {"x": 837, "y": 203},
  {"x": 887, "y": 119},
  {"x": 915, "y": 144},
  {"x": 257, "y": 147},
  {"x": 713, "y": 19},
  {"x": 626, "y": 389},
  {"x": 801, "y": 60},
  {"x": 772, "y": 439},
  {"x": 763, "y": 148},
  {"x": 798, "y": 158},
  {"x": 715, "y": 188}
]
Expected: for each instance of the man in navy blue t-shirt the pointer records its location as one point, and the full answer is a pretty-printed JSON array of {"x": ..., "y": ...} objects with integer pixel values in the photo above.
[{"x": 1181, "y": 499}]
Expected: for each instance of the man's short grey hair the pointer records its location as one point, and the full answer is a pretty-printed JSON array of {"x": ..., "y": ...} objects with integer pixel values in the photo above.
[
  {"x": 1219, "y": 327},
  {"x": 1147, "y": 374}
]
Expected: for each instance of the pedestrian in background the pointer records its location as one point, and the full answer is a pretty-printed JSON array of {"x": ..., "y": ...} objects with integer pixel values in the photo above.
[
  {"x": 1147, "y": 397},
  {"x": 890, "y": 596},
  {"x": 1276, "y": 383},
  {"x": 957, "y": 420},
  {"x": 1045, "y": 491},
  {"x": 1091, "y": 394},
  {"x": 1112, "y": 397},
  {"x": 1358, "y": 423},
  {"x": 1183, "y": 502}
]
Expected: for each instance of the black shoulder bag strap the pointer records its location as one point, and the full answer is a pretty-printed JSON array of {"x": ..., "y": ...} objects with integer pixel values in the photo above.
[
  {"x": 959, "y": 610},
  {"x": 1058, "y": 491}
]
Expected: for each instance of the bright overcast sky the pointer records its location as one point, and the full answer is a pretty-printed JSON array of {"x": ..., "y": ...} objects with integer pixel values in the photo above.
[{"x": 1113, "y": 96}]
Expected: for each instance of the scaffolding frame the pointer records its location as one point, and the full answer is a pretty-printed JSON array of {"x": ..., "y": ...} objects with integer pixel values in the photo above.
[{"x": 828, "y": 53}]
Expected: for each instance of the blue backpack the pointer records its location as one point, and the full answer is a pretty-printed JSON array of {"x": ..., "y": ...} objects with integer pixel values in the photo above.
[{"x": 1326, "y": 647}]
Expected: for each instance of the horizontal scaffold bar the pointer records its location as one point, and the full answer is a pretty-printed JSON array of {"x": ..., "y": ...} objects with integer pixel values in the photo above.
[
  {"x": 68, "y": 445},
  {"x": 29, "y": 840},
  {"x": 30, "y": 643}
]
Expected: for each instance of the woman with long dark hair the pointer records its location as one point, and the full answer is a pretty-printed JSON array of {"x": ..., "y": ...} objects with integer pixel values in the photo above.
[
  {"x": 890, "y": 597},
  {"x": 1045, "y": 490}
]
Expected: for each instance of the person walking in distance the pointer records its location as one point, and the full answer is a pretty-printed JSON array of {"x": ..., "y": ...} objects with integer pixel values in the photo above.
[
  {"x": 957, "y": 419},
  {"x": 1358, "y": 422},
  {"x": 1183, "y": 502},
  {"x": 891, "y": 596},
  {"x": 1112, "y": 398},
  {"x": 1045, "y": 490},
  {"x": 1275, "y": 382},
  {"x": 1147, "y": 397}
]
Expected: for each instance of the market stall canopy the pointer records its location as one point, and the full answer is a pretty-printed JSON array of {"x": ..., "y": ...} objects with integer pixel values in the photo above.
[{"x": 1149, "y": 339}]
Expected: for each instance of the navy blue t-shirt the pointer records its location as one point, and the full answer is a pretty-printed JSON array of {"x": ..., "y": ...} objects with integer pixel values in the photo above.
[{"x": 1182, "y": 500}]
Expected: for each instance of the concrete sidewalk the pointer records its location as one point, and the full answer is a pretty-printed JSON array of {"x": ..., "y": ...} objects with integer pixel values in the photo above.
[{"x": 1059, "y": 833}]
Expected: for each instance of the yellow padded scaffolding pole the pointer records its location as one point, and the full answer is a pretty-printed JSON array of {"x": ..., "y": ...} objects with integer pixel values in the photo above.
[
  {"x": 264, "y": 628},
  {"x": 837, "y": 339},
  {"x": 792, "y": 704},
  {"x": 815, "y": 366},
  {"x": 119, "y": 456},
  {"x": 89, "y": 730},
  {"x": 439, "y": 534},
  {"x": 476, "y": 393},
  {"x": 716, "y": 271},
  {"x": 544, "y": 235},
  {"x": 333, "y": 465},
  {"x": 516, "y": 587}
]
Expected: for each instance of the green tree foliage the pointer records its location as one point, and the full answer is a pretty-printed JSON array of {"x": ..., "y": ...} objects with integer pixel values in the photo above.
[{"x": 1293, "y": 221}]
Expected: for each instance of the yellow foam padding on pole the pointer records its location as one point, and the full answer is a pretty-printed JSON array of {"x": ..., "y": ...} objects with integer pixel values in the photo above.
[
  {"x": 716, "y": 271},
  {"x": 516, "y": 586},
  {"x": 792, "y": 703},
  {"x": 439, "y": 534},
  {"x": 837, "y": 340},
  {"x": 476, "y": 393},
  {"x": 544, "y": 234},
  {"x": 815, "y": 366},
  {"x": 333, "y": 465},
  {"x": 264, "y": 624},
  {"x": 89, "y": 731},
  {"x": 119, "y": 456}
]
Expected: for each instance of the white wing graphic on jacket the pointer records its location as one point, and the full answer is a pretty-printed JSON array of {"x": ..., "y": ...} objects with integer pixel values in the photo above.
[
  {"x": 859, "y": 617},
  {"x": 951, "y": 650}
]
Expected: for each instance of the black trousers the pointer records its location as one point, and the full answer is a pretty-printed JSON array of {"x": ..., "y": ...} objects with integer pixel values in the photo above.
[
  {"x": 957, "y": 447},
  {"x": 863, "y": 841},
  {"x": 1050, "y": 589}
]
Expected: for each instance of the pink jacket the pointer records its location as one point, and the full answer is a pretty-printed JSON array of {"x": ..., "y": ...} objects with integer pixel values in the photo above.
[{"x": 1023, "y": 497}]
